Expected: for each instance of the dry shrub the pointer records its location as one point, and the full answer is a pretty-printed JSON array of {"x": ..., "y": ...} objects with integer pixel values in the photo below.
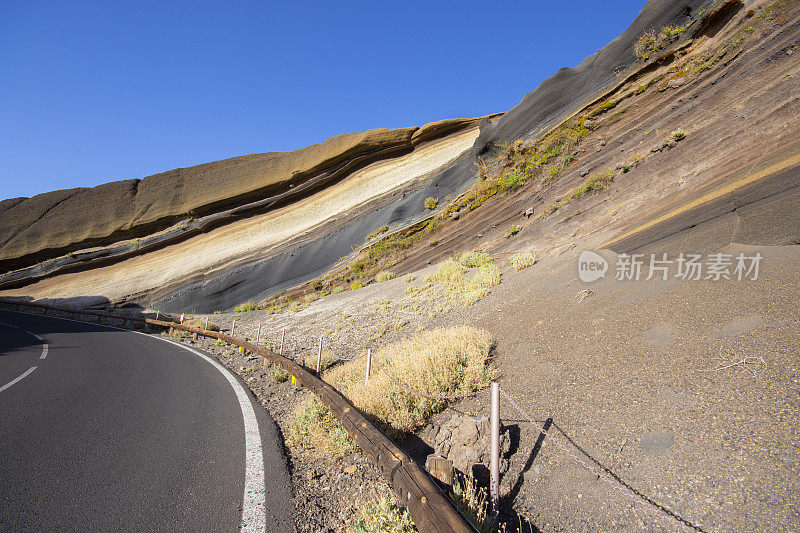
[
  {"x": 314, "y": 426},
  {"x": 201, "y": 323},
  {"x": 309, "y": 360},
  {"x": 441, "y": 362},
  {"x": 474, "y": 259},
  {"x": 521, "y": 261}
]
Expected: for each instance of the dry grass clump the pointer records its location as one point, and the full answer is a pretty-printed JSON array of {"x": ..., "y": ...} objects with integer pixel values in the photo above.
[
  {"x": 474, "y": 259},
  {"x": 488, "y": 275},
  {"x": 449, "y": 271},
  {"x": 458, "y": 285},
  {"x": 201, "y": 323},
  {"x": 473, "y": 502},
  {"x": 440, "y": 362},
  {"x": 314, "y": 426},
  {"x": 309, "y": 360},
  {"x": 521, "y": 261},
  {"x": 384, "y": 516},
  {"x": 384, "y": 276}
]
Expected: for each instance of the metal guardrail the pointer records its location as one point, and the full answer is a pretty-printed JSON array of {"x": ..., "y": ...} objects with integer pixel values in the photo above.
[{"x": 429, "y": 507}]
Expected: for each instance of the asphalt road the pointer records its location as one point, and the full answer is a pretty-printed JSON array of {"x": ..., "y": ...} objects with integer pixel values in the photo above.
[{"x": 108, "y": 430}]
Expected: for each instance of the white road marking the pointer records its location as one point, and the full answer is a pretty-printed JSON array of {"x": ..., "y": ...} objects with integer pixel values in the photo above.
[
  {"x": 7, "y": 385},
  {"x": 35, "y": 335},
  {"x": 31, "y": 369},
  {"x": 254, "y": 515}
]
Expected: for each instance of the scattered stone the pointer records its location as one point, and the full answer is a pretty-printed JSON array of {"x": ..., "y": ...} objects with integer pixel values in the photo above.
[
  {"x": 676, "y": 82},
  {"x": 350, "y": 469},
  {"x": 529, "y": 212},
  {"x": 584, "y": 172},
  {"x": 558, "y": 198},
  {"x": 455, "y": 215}
]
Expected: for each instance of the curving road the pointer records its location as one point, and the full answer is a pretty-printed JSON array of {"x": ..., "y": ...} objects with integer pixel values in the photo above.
[{"x": 108, "y": 430}]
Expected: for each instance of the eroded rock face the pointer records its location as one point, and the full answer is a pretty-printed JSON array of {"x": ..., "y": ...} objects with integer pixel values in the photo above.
[
  {"x": 55, "y": 223},
  {"x": 466, "y": 441}
]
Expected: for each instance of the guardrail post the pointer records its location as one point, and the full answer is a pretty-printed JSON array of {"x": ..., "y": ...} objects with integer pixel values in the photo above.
[
  {"x": 319, "y": 354},
  {"x": 369, "y": 364},
  {"x": 258, "y": 334},
  {"x": 206, "y": 328},
  {"x": 494, "y": 472},
  {"x": 283, "y": 336},
  {"x": 233, "y": 327},
  {"x": 157, "y": 311}
]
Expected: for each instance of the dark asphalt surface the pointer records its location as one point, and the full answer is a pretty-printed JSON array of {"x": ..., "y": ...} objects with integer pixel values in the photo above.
[{"x": 117, "y": 431}]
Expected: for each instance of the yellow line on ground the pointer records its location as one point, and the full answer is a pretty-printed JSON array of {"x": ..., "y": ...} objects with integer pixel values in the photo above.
[{"x": 777, "y": 167}]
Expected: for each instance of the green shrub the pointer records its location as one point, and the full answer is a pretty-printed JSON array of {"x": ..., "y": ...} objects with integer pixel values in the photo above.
[
  {"x": 513, "y": 230},
  {"x": 678, "y": 134},
  {"x": 431, "y": 203},
  {"x": 337, "y": 290},
  {"x": 247, "y": 306},
  {"x": 356, "y": 285},
  {"x": 382, "y": 229}
]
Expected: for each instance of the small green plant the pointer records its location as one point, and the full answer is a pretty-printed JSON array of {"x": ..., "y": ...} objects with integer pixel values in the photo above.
[
  {"x": 278, "y": 374},
  {"x": 474, "y": 259},
  {"x": 379, "y": 231},
  {"x": 337, "y": 290},
  {"x": 311, "y": 298},
  {"x": 678, "y": 134},
  {"x": 602, "y": 108},
  {"x": 356, "y": 285},
  {"x": 409, "y": 278},
  {"x": 217, "y": 312},
  {"x": 431, "y": 202},
  {"x": 384, "y": 276},
  {"x": 512, "y": 180},
  {"x": 384, "y": 516},
  {"x": 521, "y": 261},
  {"x": 595, "y": 182},
  {"x": 625, "y": 167},
  {"x": 247, "y": 306},
  {"x": 513, "y": 230}
]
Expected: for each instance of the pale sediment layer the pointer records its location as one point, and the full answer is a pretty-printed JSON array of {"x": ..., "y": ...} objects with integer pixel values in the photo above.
[{"x": 207, "y": 254}]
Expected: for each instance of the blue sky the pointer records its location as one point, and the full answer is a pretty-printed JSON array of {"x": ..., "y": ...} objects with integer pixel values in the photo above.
[{"x": 92, "y": 92}]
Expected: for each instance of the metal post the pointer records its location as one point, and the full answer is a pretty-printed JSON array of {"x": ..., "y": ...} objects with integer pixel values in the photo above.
[
  {"x": 206, "y": 328},
  {"x": 181, "y": 318},
  {"x": 494, "y": 473},
  {"x": 369, "y": 364},
  {"x": 319, "y": 355},
  {"x": 233, "y": 327},
  {"x": 157, "y": 311},
  {"x": 258, "y": 335},
  {"x": 283, "y": 336}
]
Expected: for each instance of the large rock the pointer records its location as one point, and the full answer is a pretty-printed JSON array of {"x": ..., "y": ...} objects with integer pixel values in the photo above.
[{"x": 466, "y": 441}]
